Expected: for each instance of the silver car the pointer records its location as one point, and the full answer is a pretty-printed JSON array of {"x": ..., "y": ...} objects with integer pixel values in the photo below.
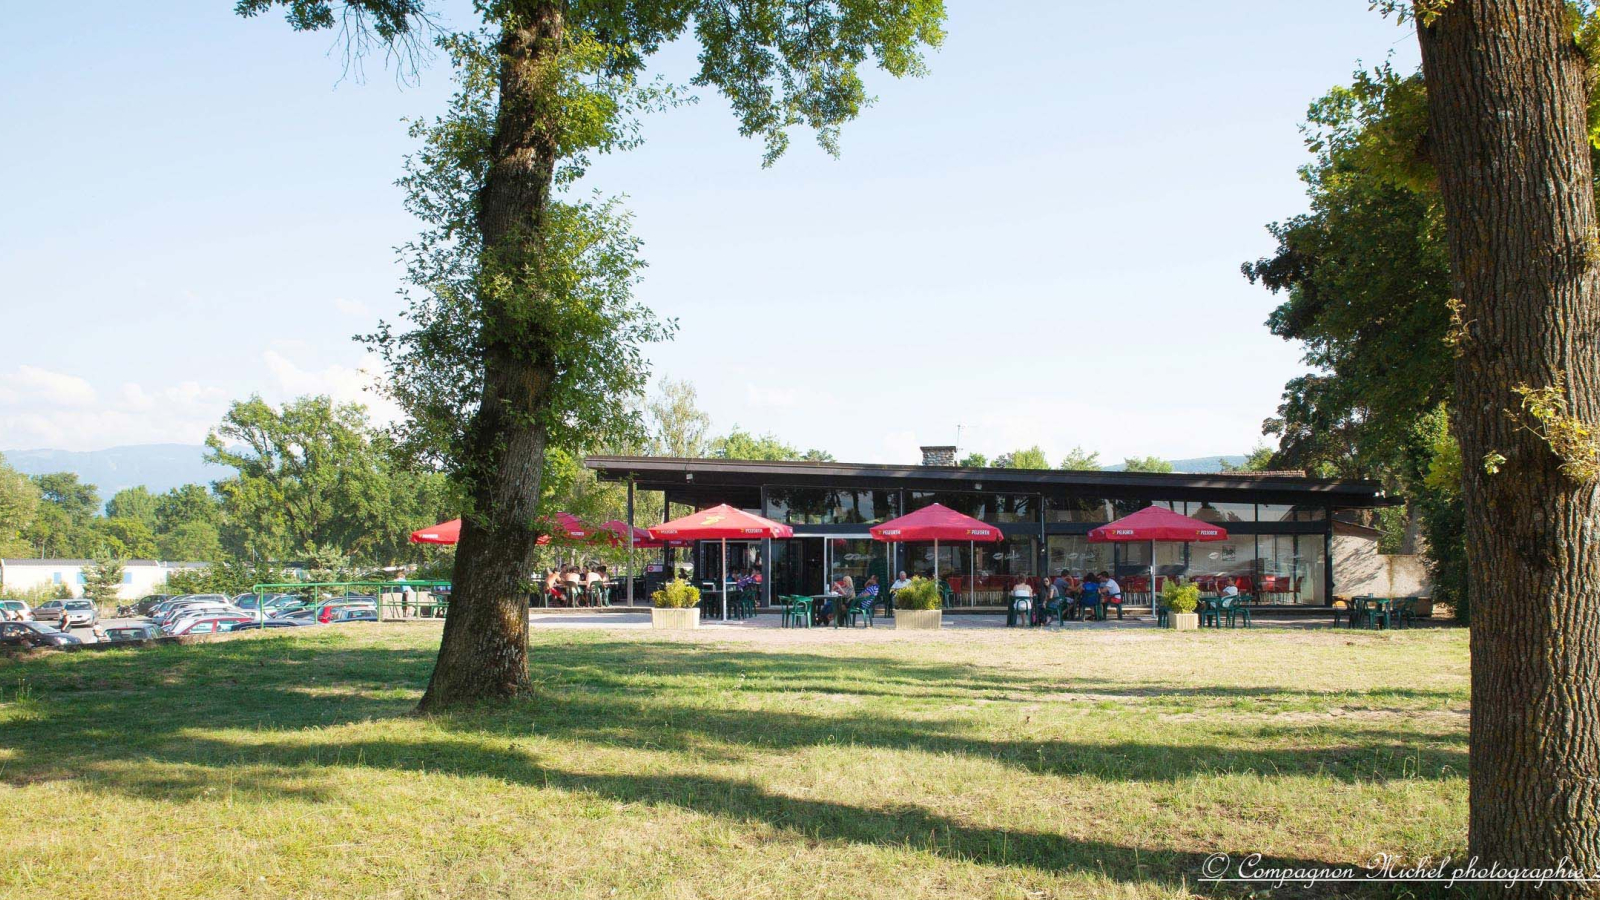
[{"x": 67, "y": 614}]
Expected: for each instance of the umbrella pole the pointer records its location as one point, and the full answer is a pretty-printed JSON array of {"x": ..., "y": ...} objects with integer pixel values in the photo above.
[
  {"x": 724, "y": 591},
  {"x": 1152, "y": 574},
  {"x": 972, "y": 580}
]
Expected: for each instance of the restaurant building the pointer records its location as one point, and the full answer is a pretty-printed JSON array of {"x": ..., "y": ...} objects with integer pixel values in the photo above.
[{"x": 1280, "y": 525}]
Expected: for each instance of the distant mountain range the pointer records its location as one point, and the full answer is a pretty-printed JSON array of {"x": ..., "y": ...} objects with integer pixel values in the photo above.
[
  {"x": 159, "y": 467},
  {"x": 162, "y": 467},
  {"x": 1199, "y": 465}
]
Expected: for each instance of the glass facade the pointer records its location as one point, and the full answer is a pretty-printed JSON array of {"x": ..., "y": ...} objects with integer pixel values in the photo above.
[{"x": 1268, "y": 563}]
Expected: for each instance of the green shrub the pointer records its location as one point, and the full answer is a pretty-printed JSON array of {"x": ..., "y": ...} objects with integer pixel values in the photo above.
[
  {"x": 921, "y": 593},
  {"x": 677, "y": 594},
  {"x": 1180, "y": 596}
]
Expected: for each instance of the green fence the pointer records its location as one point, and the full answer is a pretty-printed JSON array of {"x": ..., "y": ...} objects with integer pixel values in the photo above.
[{"x": 393, "y": 602}]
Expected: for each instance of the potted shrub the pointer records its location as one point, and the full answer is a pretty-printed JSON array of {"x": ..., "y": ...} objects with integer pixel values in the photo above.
[
  {"x": 918, "y": 605},
  {"x": 676, "y": 605},
  {"x": 1181, "y": 599}
]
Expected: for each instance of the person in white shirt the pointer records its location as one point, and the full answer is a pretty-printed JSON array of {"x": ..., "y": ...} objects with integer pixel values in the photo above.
[
  {"x": 899, "y": 583},
  {"x": 1232, "y": 590},
  {"x": 1109, "y": 588}
]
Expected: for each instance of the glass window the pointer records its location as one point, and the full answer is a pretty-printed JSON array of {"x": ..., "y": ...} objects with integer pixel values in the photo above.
[
  {"x": 821, "y": 506},
  {"x": 988, "y": 507},
  {"x": 1075, "y": 554},
  {"x": 1078, "y": 509},
  {"x": 1120, "y": 508},
  {"x": 1223, "y": 512},
  {"x": 1284, "y": 512},
  {"x": 1291, "y": 568},
  {"x": 859, "y": 558},
  {"x": 1233, "y": 558}
]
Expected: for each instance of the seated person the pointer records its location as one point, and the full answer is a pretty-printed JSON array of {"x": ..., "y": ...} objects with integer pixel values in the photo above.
[
  {"x": 1230, "y": 588},
  {"x": 1088, "y": 595},
  {"x": 869, "y": 593},
  {"x": 1047, "y": 604},
  {"x": 1110, "y": 591},
  {"x": 899, "y": 583},
  {"x": 1021, "y": 598}
]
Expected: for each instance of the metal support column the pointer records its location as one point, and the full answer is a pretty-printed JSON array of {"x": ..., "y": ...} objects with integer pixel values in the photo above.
[{"x": 630, "y": 541}]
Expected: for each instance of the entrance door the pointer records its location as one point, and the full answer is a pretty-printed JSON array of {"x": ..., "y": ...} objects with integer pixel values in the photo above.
[{"x": 798, "y": 566}]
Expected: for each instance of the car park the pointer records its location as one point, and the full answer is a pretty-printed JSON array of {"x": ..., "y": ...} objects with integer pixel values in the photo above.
[
  {"x": 208, "y": 611},
  {"x": 16, "y": 610},
  {"x": 34, "y": 634},
  {"x": 193, "y": 608}
]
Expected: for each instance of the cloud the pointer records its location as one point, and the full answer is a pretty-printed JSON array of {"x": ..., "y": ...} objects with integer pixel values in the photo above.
[
  {"x": 343, "y": 383},
  {"x": 31, "y": 385},
  {"x": 352, "y": 307},
  {"x": 40, "y": 409}
]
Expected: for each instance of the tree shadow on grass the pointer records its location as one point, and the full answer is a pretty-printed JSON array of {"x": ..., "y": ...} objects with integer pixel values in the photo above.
[{"x": 96, "y": 717}]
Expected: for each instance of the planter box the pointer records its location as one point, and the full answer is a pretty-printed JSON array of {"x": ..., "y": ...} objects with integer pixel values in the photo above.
[
  {"x": 675, "y": 619},
  {"x": 919, "y": 619},
  {"x": 1183, "y": 621}
]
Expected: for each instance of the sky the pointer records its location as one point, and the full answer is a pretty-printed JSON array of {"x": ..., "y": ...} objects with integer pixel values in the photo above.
[{"x": 1037, "y": 243}]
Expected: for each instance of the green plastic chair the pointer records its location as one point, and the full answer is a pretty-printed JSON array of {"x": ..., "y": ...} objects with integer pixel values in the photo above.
[
  {"x": 1237, "y": 611},
  {"x": 797, "y": 612},
  {"x": 1405, "y": 612},
  {"x": 1210, "y": 613},
  {"x": 946, "y": 596},
  {"x": 859, "y": 608},
  {"x": 1161, "y": 614}
]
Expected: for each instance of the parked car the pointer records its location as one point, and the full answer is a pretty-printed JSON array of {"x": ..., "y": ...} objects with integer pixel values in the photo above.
[
  {"x": 207, "y": 611},
  {"x": 143, "y": 605},
  {"x": 34, "y": 634},
  {"x": 353, "y": 614},
  {"x": 65, "y": 614},
  {"x": 12, "y": 607},
  {"x": 209, "y": 624},
  {"x": 326, "y": 611},
  {"x": 166, "y": 605},
  {"x": 191, "y": 608},
  {"x": 268, "y": 602},
  {"x": 285, "y": 622},
  {"x": 132, "y": 633}
]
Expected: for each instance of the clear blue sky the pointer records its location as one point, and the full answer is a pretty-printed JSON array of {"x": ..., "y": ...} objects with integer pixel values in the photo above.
[{"x": 1040, "y": 241}]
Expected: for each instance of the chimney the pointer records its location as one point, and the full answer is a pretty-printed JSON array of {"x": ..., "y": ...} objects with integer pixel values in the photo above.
[{"x": 939, "y": 456}]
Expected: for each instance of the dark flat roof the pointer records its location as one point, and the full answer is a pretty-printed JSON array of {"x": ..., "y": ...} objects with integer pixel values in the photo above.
[{"x": 670, "y": 473}]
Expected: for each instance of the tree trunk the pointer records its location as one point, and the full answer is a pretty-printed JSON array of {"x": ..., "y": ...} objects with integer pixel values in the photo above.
[
  {"x": 484, "y": 650},
  {"x": 1507, "y": 99}
]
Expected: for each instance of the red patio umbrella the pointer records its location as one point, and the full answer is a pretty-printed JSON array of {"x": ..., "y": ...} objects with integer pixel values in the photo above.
[
  {"x": 720, "y": 523},
  {"x": 450, "y": 532},
  {"x": 641, "y": 537},
  {"x": 1157, "y": 523},
  {"x": 936, "y": 522}
]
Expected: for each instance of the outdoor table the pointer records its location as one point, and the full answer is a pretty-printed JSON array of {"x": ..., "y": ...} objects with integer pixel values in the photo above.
[
  {"x": 1375, "y": 605},
  {"x": 818, "y": 599}
]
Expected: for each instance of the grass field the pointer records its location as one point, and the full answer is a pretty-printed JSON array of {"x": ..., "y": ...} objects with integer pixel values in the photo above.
[{"x": 973, "y": 764}]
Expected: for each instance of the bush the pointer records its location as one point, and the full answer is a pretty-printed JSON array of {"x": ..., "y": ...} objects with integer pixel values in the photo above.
[
  {"x": 1180, "y": 596},
  {"x": 678, "y": 594},
  {"x": 39, "y": 593},
  {"x": 921, "y": 593}
]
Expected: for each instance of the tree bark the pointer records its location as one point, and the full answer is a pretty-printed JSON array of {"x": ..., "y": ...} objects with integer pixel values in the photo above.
[
  {"x": 1507, "y": 99},
  {"x": 484, "y": 651}
]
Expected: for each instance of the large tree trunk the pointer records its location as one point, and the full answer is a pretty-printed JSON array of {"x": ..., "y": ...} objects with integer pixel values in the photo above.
[
  {"x": 1507, "y": 102},
  {"x": 484, "y": 651}
]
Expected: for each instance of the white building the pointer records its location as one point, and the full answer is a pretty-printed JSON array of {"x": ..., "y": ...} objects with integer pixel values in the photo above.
[{"x": 140, "y": 577}]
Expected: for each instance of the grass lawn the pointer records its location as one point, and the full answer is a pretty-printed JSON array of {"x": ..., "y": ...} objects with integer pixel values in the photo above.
[{"x": 1091, "y": 763}]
